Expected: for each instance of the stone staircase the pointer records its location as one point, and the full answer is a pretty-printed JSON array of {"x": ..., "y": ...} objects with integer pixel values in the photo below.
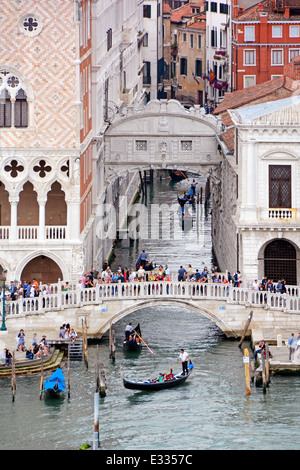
[{"x": 34, "y": 366}]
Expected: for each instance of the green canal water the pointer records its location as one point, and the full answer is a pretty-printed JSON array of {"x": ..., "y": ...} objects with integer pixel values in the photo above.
[{"x": 211, "y": 411}]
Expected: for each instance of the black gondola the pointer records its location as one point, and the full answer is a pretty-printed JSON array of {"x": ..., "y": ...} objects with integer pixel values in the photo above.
[
  {"x": 148, "y": 385},
  {"x": 133, "y": 342},
  {"x": 177, "y": 175}
]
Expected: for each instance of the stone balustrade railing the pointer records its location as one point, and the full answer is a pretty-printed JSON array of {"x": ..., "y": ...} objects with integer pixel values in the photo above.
[{"x": 77, "y": 297}]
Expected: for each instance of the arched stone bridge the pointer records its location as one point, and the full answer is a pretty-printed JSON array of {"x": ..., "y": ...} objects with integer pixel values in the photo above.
[{"x": 226, "y": 306}]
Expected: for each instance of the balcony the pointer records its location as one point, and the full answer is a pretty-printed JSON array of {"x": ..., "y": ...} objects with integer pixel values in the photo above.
[
  {"x": 278, "y": 215},
  {"x": 36, "y": 233}
]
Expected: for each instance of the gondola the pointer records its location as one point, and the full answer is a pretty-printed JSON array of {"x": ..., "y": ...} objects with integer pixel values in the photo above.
[
  {"x": 177, "y": 175},
  {"x": 148, "y": 385},
  {"x": 133, "y": 343},
  {"x": 148, "y": 265},
  {"x": 55, "y": 386}
]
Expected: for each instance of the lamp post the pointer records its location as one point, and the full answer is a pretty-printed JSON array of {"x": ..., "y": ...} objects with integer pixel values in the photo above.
[{"x": 3, "y": 327}]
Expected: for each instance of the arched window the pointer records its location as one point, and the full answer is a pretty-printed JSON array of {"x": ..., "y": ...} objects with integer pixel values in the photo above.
[
  {"x": 5, "y": 109},
  {"x": 280, "y": 261},
  {"x": 13, "y": 101},
  {"x": 21, "y": 109}
]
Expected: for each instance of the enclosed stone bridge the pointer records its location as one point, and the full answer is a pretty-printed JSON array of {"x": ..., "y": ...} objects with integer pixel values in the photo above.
[
  {"x": 161, "y": 135},
  {"x": 226, "y": 306}
]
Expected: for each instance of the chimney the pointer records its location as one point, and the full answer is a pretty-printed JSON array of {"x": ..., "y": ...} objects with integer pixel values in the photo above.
[
  {"x": 292, "y": 69},
  {"x": 260, "y": 7},
  {"x": 287, "y": 12}
]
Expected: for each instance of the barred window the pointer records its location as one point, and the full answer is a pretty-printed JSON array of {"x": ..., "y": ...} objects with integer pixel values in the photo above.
[{"x": 280, "y": 186}]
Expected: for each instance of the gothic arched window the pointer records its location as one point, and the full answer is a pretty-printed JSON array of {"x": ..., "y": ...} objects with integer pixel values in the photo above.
[
  {"x": 13, "y": 101},
  {"x": 21, "y": 109},
  {"x": 5, "y": 109}
]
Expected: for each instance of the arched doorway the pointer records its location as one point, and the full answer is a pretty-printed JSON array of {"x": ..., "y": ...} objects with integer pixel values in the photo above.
[
  {"x": 280, "y": 261},
  {"x": 43, "y": 269}
]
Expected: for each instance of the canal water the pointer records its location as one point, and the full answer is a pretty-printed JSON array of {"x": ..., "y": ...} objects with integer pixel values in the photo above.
[{"x": 211, "y": 411}]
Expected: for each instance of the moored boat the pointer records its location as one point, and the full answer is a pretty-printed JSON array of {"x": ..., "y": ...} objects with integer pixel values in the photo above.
[
  {"x": 154, "y": 385},
  {"x": 177, "y": 175},
  {"x": 55, "y": 386}
]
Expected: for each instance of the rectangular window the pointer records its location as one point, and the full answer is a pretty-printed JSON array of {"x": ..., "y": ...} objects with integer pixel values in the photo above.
[
  {"x": 191, "y": 41},
  {"x": 294, "y": 53},
  {"x": 224, "y": 8},
  {"x": 249, "y": 57},
  {"x": 147, "y": 73},
  {"x": 277, "y": 57},
  {"x": 147, "y": 11},
  {"x": 141, "y": 145},
  {"x": 280, "y": 186},
  {"x": 276, "y": 31},
  {"x": 184, "y": 37},
  {"x": 109, "y": 38},
  {"x": 199, "y": 41},
  {"x": 198, "y": 68},
  {"x": 183, "y": 66},
  {"x": 214, "y": 6},
  {"x": 294, "y": 31},
  {"x": 249, "y": 33},
  {"x": 249, "y": 80}
]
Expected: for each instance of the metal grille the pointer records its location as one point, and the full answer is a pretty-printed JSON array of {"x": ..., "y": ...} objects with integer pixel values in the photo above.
[
  {"x": 280, "y": 186},
  {"x": 280, "y": 262}
]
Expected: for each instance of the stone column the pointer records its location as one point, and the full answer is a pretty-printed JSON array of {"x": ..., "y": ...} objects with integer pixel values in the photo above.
[
  {"x": 42, "y": 230},
  {"x": 13, "y": 235}
]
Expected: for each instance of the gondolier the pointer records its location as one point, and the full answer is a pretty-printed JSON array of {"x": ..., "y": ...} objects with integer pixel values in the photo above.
[
  {"x": 128, "y": 331},
  {"x": 183, "y": 356}
]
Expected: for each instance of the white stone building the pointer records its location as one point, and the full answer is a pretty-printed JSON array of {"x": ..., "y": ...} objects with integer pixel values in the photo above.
[
  {"x": 153, "y": 54},
  {"x": 257, "y": 199},
  {"x": 218, "y": 49}
]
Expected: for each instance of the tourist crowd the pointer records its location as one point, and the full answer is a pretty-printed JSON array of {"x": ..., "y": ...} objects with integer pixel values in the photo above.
[{"x": 144, "y": 272}]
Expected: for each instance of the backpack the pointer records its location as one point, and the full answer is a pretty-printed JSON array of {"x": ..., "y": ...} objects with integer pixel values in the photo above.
[{"x": 235, "y": 277}]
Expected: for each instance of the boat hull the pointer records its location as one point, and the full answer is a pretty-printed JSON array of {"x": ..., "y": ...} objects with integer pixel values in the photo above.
[
  {"x": 155, "y": 386},
  {"x": 131, "y": 346},
  {"x": 177, "y": 175}
]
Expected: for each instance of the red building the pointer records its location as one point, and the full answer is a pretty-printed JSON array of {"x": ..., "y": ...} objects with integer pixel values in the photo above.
[{"x": 265, "y": 37}]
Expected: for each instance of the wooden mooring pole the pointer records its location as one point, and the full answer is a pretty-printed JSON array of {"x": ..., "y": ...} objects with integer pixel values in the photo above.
[
  {"x": 13, "y": 376},
  {"x": 69, "y": 378},
  {"x": 85, "y": 348},
  {"x": 246, "y": 360},
  {"x": 265, "y": 368},
  {"x": 112, "y": 342},
  {"x": 246, "y": 328},
  {"x": 96, "y": 441},
  {"x": 42, "y": 376}
]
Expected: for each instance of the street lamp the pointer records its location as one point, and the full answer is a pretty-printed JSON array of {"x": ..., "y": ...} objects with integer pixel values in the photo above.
[{"x": 3, "y": 327}]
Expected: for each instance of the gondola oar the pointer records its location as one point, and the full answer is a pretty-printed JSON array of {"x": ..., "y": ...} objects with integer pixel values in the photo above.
[{"x": 144, "y": 342}]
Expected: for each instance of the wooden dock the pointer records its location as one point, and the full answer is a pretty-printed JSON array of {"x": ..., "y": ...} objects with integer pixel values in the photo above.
[{"x": 280, "y": 362}]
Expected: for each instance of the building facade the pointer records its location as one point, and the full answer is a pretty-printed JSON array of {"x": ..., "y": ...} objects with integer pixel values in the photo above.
[
  {"x": 218, "y": 50},
  {"x": 266, "y": 36},
  {"x": 256, "y": 192},
  {"x": 184, "y": 52},
  {"x": 66, "y": 68}
]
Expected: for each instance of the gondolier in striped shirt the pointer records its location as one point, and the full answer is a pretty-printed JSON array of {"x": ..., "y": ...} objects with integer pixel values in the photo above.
[{"x": 184, "y": 361}]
